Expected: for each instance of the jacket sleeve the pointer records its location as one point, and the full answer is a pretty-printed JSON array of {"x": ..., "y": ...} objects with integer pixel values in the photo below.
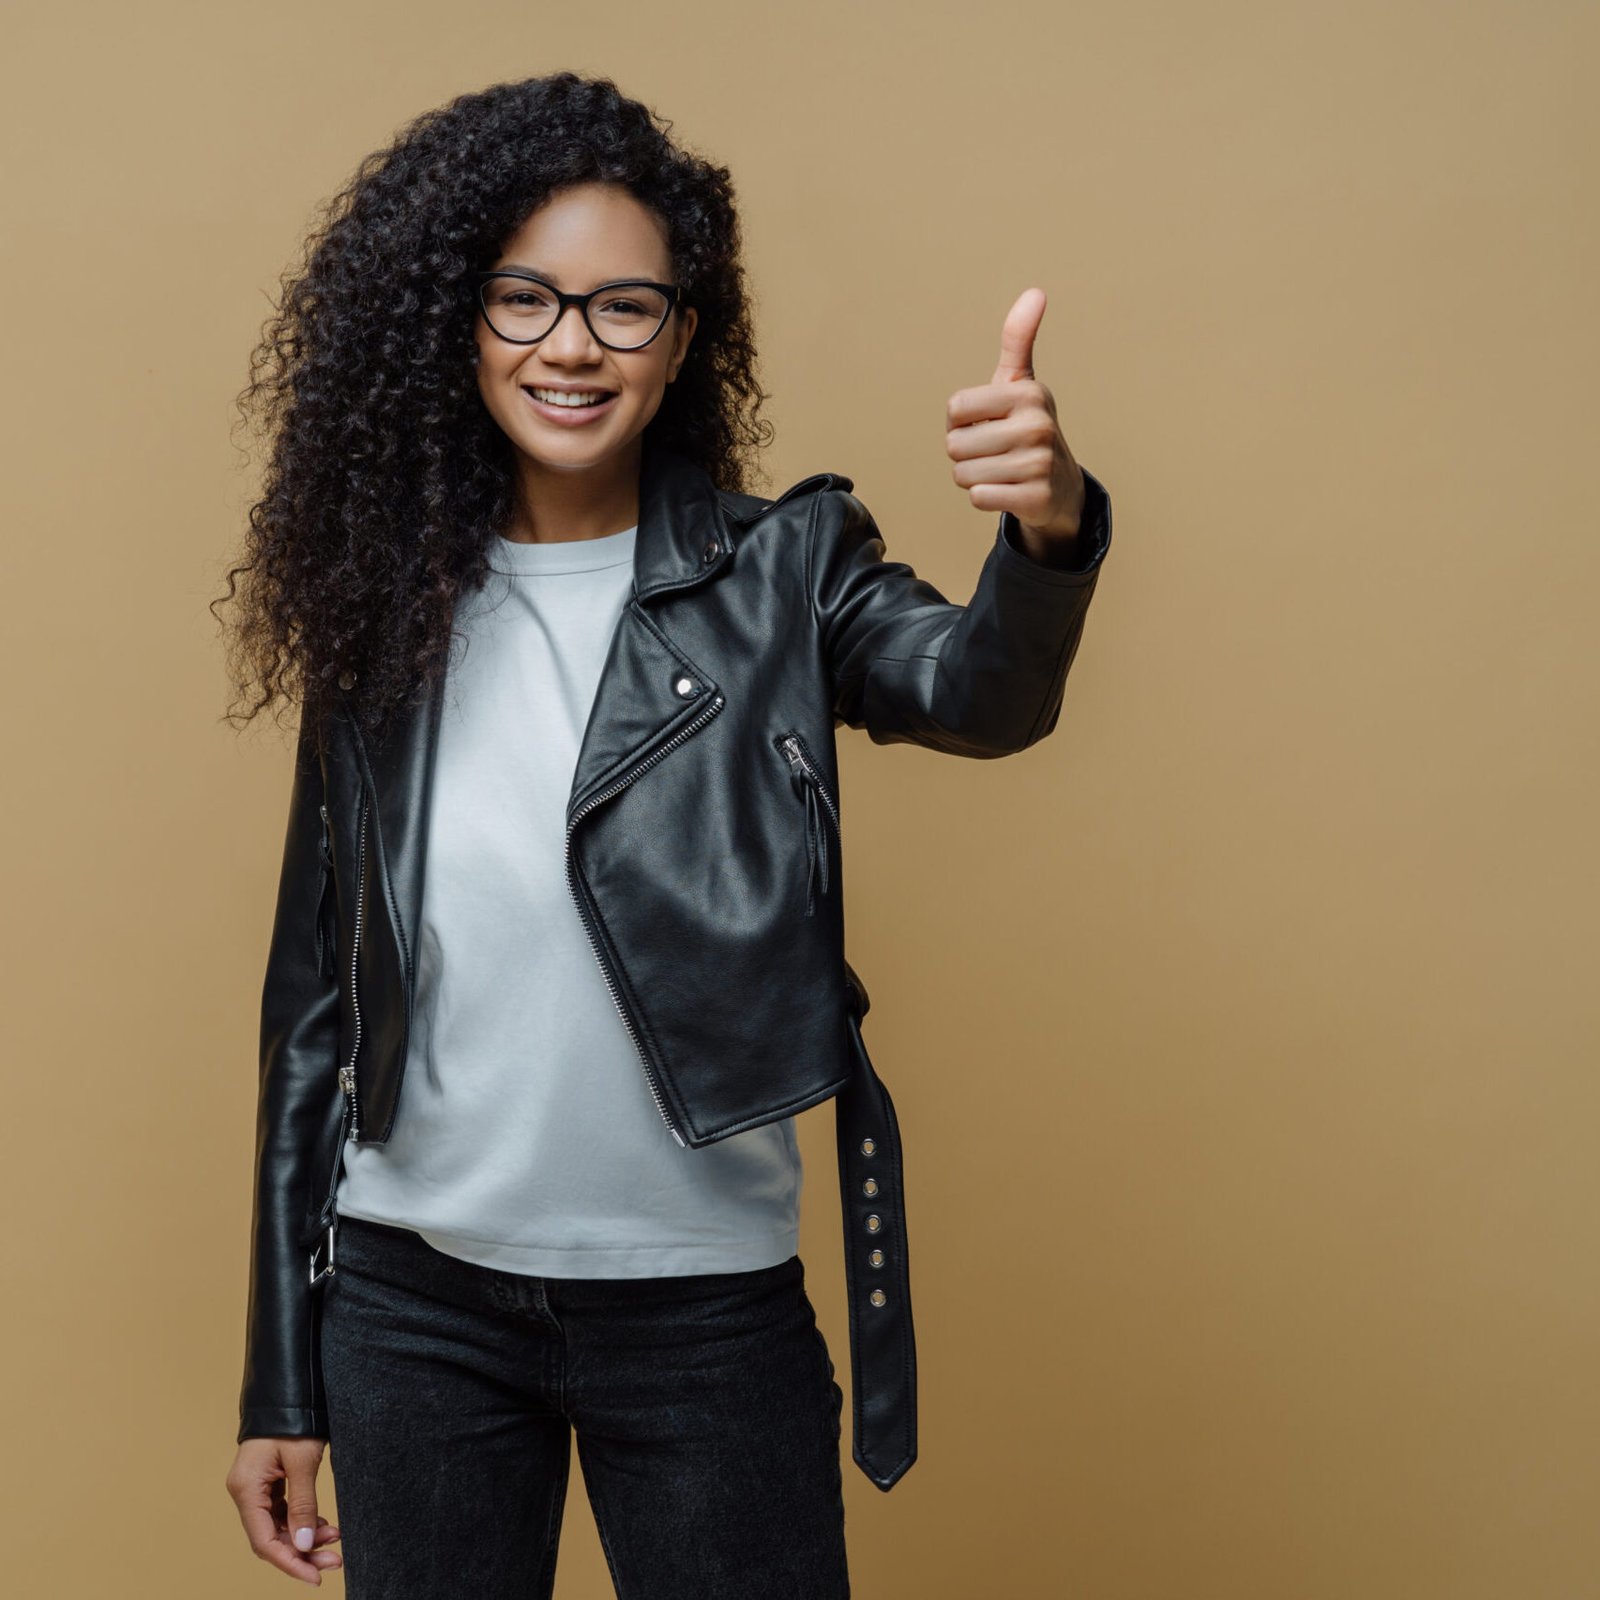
[
  {"x": 984, "y": 679},
  {"x": 282, "y": 1393}
]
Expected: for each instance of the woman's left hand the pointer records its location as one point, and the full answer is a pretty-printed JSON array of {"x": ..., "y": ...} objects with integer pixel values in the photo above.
[{"x": 1008, "y": 449}]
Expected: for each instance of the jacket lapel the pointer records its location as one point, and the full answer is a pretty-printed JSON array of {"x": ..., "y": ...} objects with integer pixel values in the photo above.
[{"x": 648, "y": 687}]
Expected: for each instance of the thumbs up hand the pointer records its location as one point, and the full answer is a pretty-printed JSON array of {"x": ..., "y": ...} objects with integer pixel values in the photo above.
[{"x": 1008, "y": 449}]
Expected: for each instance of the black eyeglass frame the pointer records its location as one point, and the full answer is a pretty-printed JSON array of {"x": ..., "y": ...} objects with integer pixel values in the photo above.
[{"x": 480, "y": 281}]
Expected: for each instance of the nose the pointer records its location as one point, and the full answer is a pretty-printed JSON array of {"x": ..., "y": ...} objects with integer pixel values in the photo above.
[{"x": 570, "y": 340}]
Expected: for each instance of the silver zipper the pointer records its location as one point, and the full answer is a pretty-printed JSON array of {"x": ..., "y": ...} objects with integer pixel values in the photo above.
[
  {"x": 577, "y": 899},
  {"x": 796, "y": 753},
  {"x": 347, "y": 1073},
  {"x": 805, "y": 772}
]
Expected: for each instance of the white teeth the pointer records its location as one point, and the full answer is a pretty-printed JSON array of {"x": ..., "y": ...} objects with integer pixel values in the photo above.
[{"x": 564, "y": 397}]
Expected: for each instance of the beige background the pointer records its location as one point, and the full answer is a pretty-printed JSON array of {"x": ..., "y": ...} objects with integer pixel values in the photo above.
[{"x": 1242, "y": 1033}]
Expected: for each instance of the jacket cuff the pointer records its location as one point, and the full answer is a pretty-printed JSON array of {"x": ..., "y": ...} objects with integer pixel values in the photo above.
[
  {"x": 282, "y": 1422},
  {"x": 1095, "y": 533}
]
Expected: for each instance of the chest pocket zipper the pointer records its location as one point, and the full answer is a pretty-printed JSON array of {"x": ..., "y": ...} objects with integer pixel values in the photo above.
[{"x": 820, "y": 813}]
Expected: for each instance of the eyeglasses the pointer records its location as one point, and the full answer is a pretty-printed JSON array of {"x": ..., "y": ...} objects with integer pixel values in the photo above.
[{"x": 523, "y": 309}]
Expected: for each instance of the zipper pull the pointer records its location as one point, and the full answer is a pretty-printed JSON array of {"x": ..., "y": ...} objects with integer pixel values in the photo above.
[
  {"x": 811, "y": 854},
  {"x": 797, "y": 773},
  {"x": 347, "y": 1082},
  {"x": 816, "y": 824},
  {"x": 817, "y": 828},
  {"x": 822, "y": 840},
  {"x": 797, "y": 776}
]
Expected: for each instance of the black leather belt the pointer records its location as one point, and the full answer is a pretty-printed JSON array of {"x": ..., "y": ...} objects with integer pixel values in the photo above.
[{"x": 883, "y": 1351}]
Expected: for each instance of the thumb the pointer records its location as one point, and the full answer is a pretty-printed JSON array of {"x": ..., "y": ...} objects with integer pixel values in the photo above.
[
  {"x": 1020, "y": 329},
  {"x": 300, "y": 1497}
]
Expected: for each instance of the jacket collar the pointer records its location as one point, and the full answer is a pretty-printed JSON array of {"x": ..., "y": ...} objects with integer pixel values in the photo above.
[
  {"x": 683, "y": 531},
  {"x": 684, "y": 537}
]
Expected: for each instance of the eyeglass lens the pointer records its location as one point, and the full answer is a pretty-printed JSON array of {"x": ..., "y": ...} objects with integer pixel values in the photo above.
[{"x": 623, "y": 316}]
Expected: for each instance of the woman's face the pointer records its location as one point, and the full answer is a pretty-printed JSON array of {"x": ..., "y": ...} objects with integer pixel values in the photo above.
[{"x": 580, "y": 238}]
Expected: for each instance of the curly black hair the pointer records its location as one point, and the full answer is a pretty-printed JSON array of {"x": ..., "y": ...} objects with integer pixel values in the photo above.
[{"x": 386, "y": 477}]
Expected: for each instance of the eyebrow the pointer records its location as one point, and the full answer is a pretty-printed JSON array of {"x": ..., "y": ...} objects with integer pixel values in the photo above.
[{"x": 547, "y": 278}]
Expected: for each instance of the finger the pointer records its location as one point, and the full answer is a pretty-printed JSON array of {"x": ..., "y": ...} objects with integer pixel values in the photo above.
[
  {"x": 261, "y": 1510},
  {"x": 1017, "y": 334},
  {"x": 1027, "y": 502},
  {"x": 1015, "y": 466},
  {"x": 327, "y": 1534},
  {"x": 300, "y": 1499},
  {"x": 983, "y": 401},
  {"x": 321, "y": 1557},
  {"x": 980, "y": 441},
  {"x": 1026, "y": 429},
  {"x": 260, "y": 1526}
]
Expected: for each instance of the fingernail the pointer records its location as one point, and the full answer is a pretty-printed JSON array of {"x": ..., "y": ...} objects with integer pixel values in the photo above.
[{"x": 303, "y": 1538}]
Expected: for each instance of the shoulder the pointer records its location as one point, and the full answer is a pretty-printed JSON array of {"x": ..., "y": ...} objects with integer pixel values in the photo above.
[{"x": 798, "y": 500}]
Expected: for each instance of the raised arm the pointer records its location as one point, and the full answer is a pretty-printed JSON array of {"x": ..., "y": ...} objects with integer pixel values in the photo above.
[{"x": 984, "y": 679}]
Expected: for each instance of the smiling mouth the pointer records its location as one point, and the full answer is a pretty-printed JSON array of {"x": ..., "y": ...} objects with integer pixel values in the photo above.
[{"x": 568, "y": 399}]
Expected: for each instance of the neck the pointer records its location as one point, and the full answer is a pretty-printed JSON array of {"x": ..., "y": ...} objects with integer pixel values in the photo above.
[{"x": 555, "y": 504}]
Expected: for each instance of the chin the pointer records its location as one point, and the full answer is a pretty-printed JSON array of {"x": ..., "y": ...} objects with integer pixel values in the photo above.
[{"x": 576, "y": 457}]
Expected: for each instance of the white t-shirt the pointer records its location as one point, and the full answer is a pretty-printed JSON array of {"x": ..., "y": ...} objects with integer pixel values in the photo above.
[{"x": 527, "y": 1137}]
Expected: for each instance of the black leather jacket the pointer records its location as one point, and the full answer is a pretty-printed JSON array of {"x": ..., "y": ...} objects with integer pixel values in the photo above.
[{"x": 703, "y": 854}]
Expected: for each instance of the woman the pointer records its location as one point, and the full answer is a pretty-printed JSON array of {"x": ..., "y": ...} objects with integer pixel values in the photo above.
[{"x": 579, "y": 880}]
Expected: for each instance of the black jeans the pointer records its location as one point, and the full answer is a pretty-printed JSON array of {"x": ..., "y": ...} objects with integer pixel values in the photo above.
[{"x": 705, "y": 1408}]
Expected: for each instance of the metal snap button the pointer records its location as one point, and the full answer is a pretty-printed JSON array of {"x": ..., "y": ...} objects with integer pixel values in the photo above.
[
  {"x": 876, "y": 1258},
  {"x": 870, "y": 1187},
  {"x": 869, "y": 1147},
  {"x": 878, "y": 1297},
  {"x": 711, "y": 551},
  {"x": 874, "y": 1223},
  {"x": 686, "y": 687},
  {"x": 347, "y": 679}
]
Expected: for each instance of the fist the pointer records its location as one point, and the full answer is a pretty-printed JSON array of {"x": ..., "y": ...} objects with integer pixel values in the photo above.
[{"x": 1008, "y": 449}]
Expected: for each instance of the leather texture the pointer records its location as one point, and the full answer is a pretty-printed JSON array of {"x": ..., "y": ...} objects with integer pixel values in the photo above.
[
  {"x": 704, "y": 856},
  {"x": 883, "y": 1345}
]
